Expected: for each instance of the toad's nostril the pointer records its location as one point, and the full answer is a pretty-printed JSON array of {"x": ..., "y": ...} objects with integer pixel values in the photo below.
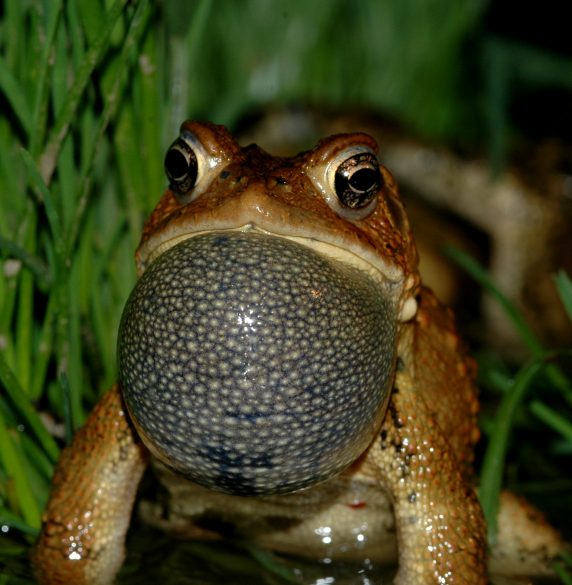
[{"x": 252, "y": 364}]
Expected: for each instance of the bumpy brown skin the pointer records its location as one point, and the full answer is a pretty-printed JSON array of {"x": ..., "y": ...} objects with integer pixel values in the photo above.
[
  {"x": 93, "y": 491},
  {"x": 423, "y": 453}
]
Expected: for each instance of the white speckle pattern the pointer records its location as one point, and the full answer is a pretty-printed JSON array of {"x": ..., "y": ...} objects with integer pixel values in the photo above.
[{"x": 252, "y": 364}]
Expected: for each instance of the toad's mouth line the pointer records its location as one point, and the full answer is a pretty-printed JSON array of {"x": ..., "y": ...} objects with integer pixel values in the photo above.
[{"x": 386, "y": 275}]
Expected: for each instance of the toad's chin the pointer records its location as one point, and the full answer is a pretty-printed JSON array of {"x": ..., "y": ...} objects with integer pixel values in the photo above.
[{"x": 254, "y": 365}]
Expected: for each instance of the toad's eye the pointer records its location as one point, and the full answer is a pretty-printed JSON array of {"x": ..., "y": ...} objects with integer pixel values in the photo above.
[
  {"x": 181, "y": 167},
  {"x": 357, "y": 180}
]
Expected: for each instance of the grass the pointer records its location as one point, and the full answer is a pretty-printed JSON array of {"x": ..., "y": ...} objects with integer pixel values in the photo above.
[
  {"x": 515, "y": 387},
  {"x": 539, "y": 389},
  {"x": 93, "y": 91},
  {"x": 52, "y": 232}
]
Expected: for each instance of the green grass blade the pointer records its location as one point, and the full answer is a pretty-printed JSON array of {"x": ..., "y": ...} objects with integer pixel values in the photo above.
[
  {"x": 46, "y": 198},
  {"x": 67, "y": 407},
  {"x": 552, "y": 419},
  {"x": 39, "y": 460},
  {"x": 564, "y": 285},
  {"x": 24, "y": 325},
  {"x": 49, "y": 157},
  {"x": 529, "y": 338},
  {"x": 151, "y": 100},
  {"x": 65, "y": 332},
  {"x": 472, "y": 267},
  {"x": 564, "y": 568},
  {"x": 15, "y": 95},
  {"x": 102, "y": 323},
  {"x": 112, "y": 102},
  {"x": 91, "y": 17},
  {"x": 12, "y": 464},
  {"x": 186, "y": 55},
  {"x": 269, "y": 561},
  {"x": 493, "y": 464},
  {"x": 38, "y": 268},
  {"x": 43, "y": 352},
  {"x": 29, "y": 415},
  {"x": 42, "y": 87}
]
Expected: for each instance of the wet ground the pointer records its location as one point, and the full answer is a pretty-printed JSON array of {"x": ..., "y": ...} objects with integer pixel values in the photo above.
[
  {"x": 234, "y": 563},
  {"x": 156, "y": 559}
]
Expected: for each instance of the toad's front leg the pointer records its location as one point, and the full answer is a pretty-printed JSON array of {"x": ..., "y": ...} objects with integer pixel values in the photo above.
[
  {"x": 422, "y": 457},
  {"x": 439, "y": 523},
  {"x": 93, "y": 490}
]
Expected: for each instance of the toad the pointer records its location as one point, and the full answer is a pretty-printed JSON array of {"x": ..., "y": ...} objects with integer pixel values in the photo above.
[{"x": 283, "y": 369}]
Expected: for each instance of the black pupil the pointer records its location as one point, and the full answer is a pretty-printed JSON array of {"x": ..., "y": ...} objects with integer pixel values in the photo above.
[
  {"x": 176, "y": 163},
  {"x": 363, "y": 179},
  {"x": 357, "y": 181}
]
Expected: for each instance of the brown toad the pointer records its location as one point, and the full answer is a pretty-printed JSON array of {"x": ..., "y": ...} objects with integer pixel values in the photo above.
[{"x": 280, "y": 359}]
